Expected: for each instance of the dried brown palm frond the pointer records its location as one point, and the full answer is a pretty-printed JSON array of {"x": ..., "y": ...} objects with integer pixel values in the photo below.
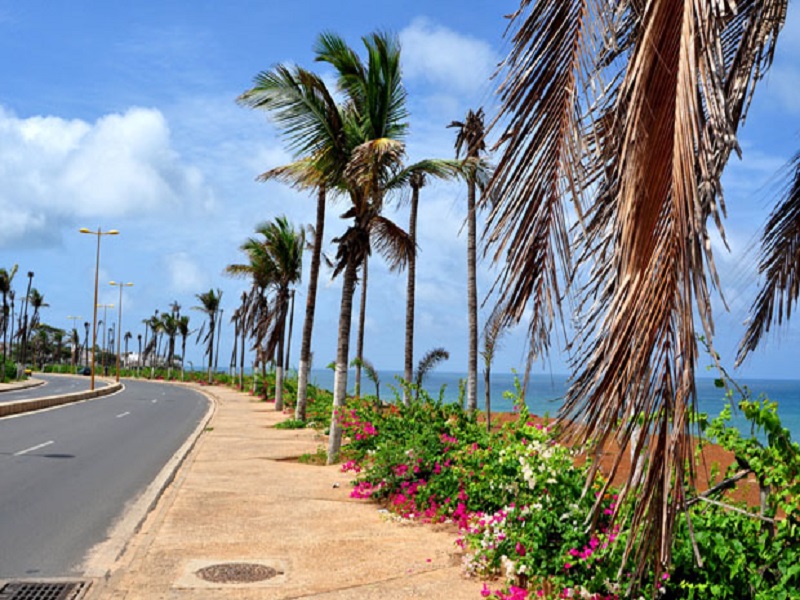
[
  {"x": 373, "y": 164},
  {"x": 302, "y": 175},
  {"x": 780, "y": 265},
  {"x": 391, "y": 241},
  {"x": 625, "y": 113},
  {"x": 541, "y": 159}
]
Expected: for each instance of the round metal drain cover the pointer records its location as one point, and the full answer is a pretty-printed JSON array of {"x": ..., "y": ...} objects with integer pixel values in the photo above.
[{"x": 237, "y": 573}]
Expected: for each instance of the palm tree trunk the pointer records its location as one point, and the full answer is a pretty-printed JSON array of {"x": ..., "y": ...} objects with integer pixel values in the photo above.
[
  {"x": 342, "y": 351},
  {"x": 183, "y": 358},
  {"x": 408, "y": 365},
  {"x": 362, "y": 317},
  {"x": 289, "y": 333},
  {"x": 241, "y": 358},
  {"x": 210, "y": 348},
  {"x": 284, "y": 305},
  {"x": 219, "y": 339},
  {"x": 5, "y": 338},
  {"x": 472, "y": 302},
  {"x": 487, "y": 382},
  {"x": 311, "y": 302}
]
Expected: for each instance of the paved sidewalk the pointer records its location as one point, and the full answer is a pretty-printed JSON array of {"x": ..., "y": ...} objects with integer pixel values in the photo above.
[{"x": 239, "y": 498}]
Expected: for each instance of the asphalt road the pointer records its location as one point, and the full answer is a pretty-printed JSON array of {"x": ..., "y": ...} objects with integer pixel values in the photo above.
[
  {"x": 54, "y": 385},
  {"x": 67, "y": 474}
]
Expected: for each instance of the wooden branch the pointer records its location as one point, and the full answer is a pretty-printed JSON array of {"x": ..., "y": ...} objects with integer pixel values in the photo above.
[
  {"x": 736, "y": 509},
  {"x": 727, "y": 483}
]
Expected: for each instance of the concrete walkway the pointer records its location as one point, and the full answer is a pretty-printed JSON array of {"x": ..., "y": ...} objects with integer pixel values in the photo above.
[{"x": 239, "y": 497}]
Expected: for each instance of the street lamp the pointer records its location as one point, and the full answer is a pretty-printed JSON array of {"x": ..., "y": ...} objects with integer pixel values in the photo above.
[
  {"x": 120, "y": 285},
  {"x": 99, "y": 234},
  {"x": 77, "y": 354}
]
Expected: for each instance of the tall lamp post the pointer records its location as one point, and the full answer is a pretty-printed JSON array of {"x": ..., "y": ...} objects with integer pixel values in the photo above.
[
  {"x": 99, "y": 234},
  {"x": 78, "y": 352},
  {"x": 120, "y": 285}
]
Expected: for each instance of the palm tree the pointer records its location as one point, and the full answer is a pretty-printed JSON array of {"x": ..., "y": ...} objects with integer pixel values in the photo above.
[
  {"x": 169, "y": 326},
  {"x": 627, "y": 115},
  {"x": 416, "y": 182},
  {"x": 127, "y": 338},
  {"x": 362, "y": 319},
  {"x": 24, "y": 329},
  {"x": 314, "y": 126},
  {"x": 275, "y": 265},
  {"x": 238, "y": 318},
  {"x": 353, "y": 149},
  {"x": 75, "y": 345},
  {"x": 139, "y": 358},
  {"x": 209, "y": 305},
  {"x": 36, "y": 299},
  {"x": 152, "y": 323},
  {"x": 372, "y": 375},
  {"x": 428, "y": 363},
  {"x": 471, "y": 137},
  {"x": 287, "y": 358},
  {"x": 6, "y": 277},
  {"x": 376, "y": 100},
  {"x": 284, "y": 246},
  {"x": 183, "y": 330},
  {"x": 492, "y": 332},
  {"x": 86, "y": 340}
]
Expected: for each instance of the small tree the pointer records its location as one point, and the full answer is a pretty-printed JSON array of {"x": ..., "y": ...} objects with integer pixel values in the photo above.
[{"x": 427, "y": 364}]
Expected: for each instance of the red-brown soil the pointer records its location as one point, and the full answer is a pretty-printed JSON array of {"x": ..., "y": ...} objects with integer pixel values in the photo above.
[{"x": 712, "y": 459}]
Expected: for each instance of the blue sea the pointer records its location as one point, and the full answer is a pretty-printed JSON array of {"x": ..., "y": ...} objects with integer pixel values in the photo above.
[{"x": 545, "y": 393}]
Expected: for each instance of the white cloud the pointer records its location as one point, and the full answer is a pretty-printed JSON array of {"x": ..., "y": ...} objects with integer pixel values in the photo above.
[
  {"x": 185, "y": 275},
  {"x": 54, "y": 172},
  {"x": 457, "y": 63}
]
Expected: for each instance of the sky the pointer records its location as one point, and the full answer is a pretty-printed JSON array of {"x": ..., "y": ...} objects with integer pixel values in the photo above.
[{"x": 123, "y": 116}]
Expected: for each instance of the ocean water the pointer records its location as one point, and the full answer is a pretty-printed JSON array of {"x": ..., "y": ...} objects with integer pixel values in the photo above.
[{"x": 545, "y": 393}]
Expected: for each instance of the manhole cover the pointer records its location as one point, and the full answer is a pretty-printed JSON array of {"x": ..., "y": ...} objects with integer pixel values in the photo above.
[
  {"x": 236, "y": 573},
  {"x": 43, "y": 590}
]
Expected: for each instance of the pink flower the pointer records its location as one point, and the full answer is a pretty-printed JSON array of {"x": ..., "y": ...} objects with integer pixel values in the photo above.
[
  {"x": 486, "y": 592},
  {"x": 520, "y": 549}
]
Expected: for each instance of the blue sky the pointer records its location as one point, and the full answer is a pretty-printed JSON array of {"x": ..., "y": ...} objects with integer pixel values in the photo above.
[{"x": 123, "y": 115}]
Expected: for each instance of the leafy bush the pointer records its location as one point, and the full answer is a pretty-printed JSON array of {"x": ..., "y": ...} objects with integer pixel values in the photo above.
[{"x": 523, "y": 505}]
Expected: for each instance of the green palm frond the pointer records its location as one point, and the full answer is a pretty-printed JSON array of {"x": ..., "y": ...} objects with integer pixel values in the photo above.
[
  {"x": 375, "y": 90},
  {"x": 428, "y": 363}
]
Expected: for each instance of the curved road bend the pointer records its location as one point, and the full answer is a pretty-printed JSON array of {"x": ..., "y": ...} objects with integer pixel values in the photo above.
[
  {"x": 54, "y": 385},
  {"x": 67, "y": 474}
]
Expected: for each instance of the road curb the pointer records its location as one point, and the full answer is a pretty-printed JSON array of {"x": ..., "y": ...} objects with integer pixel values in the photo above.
[
  {"x": 20, "y": 385},
  {"x": 107, "y": 559},
  {"x": 22, "y": 406}
]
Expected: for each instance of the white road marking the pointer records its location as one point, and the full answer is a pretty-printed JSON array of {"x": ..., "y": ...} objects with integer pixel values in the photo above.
[
  {"x": 125, "y": 414},
  {"x": 155, "y": 400},
  {"x": 21, "y": 452}
]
